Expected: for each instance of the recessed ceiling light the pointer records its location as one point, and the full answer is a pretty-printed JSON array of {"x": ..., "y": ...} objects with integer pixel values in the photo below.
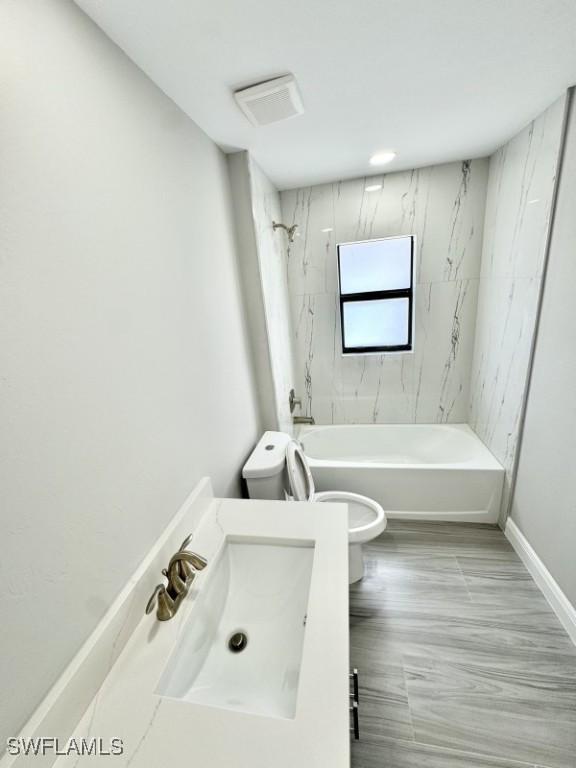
[
  {"x": 381, "y": 158},
  {"x": 373, "y": 187},
  {"x": 328, "y": 229}
]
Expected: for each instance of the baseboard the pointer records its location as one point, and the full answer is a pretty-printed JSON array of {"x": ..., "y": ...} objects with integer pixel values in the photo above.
[
  {"x": 466, "y": 516},
  {"x": 558, "y": 601}
]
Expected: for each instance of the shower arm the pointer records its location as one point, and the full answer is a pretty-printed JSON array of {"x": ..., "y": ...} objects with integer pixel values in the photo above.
[{"x": 290, "y": 231}]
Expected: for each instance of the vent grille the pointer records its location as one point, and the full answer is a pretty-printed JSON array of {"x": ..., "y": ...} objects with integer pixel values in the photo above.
[{"x": 271, "y": 101}]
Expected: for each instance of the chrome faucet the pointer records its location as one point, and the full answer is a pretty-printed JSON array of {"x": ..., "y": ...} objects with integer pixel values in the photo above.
[{"x": 180, "y": 574}]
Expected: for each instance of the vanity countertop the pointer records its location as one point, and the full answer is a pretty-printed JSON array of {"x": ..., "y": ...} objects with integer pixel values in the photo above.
[{"x": 158, "y": 731}]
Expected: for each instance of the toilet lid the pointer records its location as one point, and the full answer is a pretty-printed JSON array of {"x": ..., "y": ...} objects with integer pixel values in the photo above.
[{"x": 299, "y": 475}]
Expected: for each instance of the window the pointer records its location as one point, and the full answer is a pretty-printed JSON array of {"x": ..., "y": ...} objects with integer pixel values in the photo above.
[{"x": 376, "y": 293}]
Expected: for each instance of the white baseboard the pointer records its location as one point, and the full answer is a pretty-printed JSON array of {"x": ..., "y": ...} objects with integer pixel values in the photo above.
[
  {"x": 559, "y": 603},
  {"x": 468, "y": 516}
]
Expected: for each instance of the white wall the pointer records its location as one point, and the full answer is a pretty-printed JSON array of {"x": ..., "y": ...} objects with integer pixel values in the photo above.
[
  {"x": 264, "y": 274},
  {"x": 271, "y": 248},
  {"x": 254, "y": 299},
  {"x": 125, "y": 371},
  {"x": 444, "y": 207},
  {"x": 518, "y": 207},
  {"x": 544, "y": 502}
]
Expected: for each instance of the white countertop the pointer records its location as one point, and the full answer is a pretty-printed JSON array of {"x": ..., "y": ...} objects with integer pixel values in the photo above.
[{"x": 157, "y": 731}]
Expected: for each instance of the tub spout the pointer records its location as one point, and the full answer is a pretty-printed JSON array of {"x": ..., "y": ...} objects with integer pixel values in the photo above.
[{"x": 303, "y": 420}]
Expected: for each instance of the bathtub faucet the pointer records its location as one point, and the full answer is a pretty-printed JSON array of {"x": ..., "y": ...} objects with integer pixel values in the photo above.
[{"x": 303, "y": 420}]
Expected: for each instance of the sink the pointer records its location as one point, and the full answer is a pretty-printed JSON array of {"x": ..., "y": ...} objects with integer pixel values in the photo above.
[{"x": 241, "y": 646}]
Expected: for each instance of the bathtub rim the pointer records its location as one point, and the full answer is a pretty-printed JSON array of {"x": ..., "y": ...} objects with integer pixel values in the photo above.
[{"x": 485, "y": 460}]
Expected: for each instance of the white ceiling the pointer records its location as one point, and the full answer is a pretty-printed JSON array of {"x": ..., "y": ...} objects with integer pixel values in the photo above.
[{"x": 435, "y": 80}]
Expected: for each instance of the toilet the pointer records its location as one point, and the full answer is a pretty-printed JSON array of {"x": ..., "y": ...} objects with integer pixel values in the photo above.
[{"x": 277, "y": 469}]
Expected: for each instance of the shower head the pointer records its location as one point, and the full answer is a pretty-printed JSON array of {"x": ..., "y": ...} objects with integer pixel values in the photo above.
[{"x": 290, "y": 231}]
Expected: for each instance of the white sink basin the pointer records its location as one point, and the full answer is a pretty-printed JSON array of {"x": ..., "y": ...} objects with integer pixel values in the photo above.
[{"x": 256, "y": 595}]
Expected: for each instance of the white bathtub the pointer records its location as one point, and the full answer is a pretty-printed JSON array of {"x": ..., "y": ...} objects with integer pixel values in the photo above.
[{"x": 416, "y": 471}]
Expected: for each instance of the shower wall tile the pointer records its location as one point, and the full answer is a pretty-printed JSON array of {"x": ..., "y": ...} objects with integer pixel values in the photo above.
[
  {"x": 518, "y": 209},
  {"x": 519, "y": 198},
  {"x": 443, "y": 206},
  {"x": 445, "y": 321}
]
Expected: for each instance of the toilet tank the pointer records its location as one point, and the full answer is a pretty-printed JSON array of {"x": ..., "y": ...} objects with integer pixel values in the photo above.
[{"x": 264, "y": 471}]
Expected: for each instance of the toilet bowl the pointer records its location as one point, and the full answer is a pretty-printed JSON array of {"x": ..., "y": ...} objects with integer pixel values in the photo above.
[
  {"x": 366, "y": 518},
  {"x": 277, "y": 469}
]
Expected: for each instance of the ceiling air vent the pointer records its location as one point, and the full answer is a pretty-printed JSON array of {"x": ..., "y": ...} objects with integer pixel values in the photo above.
[{"x": 270, "y": 101}]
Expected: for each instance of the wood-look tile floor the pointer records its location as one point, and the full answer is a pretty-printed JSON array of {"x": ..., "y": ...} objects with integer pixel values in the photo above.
[{"x": 462, "y": 662}]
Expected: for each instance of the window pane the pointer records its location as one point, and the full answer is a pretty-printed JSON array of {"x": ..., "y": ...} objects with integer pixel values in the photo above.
[
  {"x": 376, "y": 265},
  {"x": 380, "y": 323}
]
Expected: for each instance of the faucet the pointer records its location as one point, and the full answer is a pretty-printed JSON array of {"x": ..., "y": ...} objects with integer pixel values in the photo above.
[
  {"x": 303, "y": 420},
  {"x": 180, "y": 574},
  {"x": 294, "y": 401}
]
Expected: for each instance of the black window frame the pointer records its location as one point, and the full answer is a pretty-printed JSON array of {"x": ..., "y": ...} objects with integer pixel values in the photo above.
[{"x": 400, "y": 293}]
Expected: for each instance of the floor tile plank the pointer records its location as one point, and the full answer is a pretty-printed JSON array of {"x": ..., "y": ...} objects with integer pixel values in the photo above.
[
  {"x": 395, "y": 753},
  {"x": 462, "y": 661}
]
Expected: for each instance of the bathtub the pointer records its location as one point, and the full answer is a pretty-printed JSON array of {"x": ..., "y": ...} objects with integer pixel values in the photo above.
[{"x": 416, "y": 471}]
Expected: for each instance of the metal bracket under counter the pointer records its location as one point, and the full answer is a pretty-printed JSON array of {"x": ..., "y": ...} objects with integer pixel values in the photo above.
[{"x": 354, "y": 704}]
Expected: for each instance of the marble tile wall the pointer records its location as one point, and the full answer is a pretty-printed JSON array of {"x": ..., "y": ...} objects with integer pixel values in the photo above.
[
  {"x": 444, "y": 207},
  {"x": 518, "y": 208},
  {"x": 272, "y": 256}
]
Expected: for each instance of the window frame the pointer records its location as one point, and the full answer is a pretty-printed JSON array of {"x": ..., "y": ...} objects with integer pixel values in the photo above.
[{"x": 397, "y": 293}]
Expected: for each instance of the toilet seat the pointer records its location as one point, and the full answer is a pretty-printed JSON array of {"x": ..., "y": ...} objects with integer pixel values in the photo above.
[
  {"x": 299, "y": 474},
  {"x": 366, "y": 518}
]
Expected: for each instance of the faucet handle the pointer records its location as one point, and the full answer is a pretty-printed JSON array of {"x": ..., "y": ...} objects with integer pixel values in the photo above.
[
  {"x": 195, "y": 560},
  {"x": 294, "y": 401},
  {"x": 185, "y": 571},
  {"x": 152, "y": 601},
  {"x": 186, "y": 541}
]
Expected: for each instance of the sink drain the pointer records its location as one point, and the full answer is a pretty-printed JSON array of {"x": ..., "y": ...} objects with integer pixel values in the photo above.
[{"x": 238, "y": 641}]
